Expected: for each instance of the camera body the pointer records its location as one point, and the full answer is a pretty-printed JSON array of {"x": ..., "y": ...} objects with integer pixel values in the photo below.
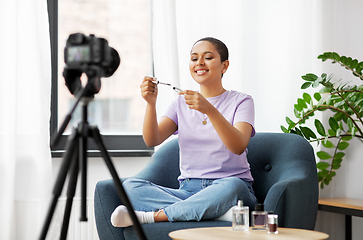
[
  {"x": 91, "y": 55},
  {"x": 87, "y": 50}
]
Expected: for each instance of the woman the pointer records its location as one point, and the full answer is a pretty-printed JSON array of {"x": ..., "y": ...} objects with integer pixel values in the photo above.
[{"x": 214, "y": 127}]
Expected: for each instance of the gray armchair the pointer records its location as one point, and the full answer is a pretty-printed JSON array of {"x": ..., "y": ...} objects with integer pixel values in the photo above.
[{"x": 283, "y": 166}]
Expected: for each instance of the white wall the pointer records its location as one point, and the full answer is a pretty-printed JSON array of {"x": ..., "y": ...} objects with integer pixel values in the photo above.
[
  {"x": 342, "y": 33},
  {"x": 97, "y": 170}
]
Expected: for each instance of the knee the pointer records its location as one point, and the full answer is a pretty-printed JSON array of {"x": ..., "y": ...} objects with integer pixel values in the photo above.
[
  {"x": 131, "y": 184},
  {"x": 234, "y": 184},
  {"x": 238, "y": 190}
]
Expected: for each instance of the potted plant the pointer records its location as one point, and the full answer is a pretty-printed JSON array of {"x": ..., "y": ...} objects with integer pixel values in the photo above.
[{"x": 346, "y": 104}]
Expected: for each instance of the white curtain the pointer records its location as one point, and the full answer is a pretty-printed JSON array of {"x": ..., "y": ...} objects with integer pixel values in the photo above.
[
  {"x": 25, "y": 79},
  {"x": 271, "y": 44}
]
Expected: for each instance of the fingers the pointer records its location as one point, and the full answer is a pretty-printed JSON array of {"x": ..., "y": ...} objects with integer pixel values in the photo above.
[
  {"x": 195, "y": 100},
  {"x": 149, "y": 89}
]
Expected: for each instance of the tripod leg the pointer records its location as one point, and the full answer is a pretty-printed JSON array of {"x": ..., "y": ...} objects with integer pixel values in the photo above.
[
  {"x": 72, "y": 184},
  {"x": 58, "y": 186},
  {"x": 95, "y": 133}
]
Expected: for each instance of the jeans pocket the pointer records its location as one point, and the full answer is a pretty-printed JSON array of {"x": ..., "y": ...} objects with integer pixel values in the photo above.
[{"x": 182, "y": 184}]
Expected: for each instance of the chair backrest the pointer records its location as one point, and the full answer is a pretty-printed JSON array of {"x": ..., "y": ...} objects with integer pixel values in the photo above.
[
  {"x": 163, "y": 166},
  {"x": 274, "y": 157}
]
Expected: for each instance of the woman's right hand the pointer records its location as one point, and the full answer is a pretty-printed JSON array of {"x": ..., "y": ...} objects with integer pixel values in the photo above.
[{"x": 149, "y": 89}]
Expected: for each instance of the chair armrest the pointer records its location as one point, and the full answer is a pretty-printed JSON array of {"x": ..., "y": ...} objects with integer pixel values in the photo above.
[
  {"x": 105, "y": 202},
  {"x": 295, "y": 198}
]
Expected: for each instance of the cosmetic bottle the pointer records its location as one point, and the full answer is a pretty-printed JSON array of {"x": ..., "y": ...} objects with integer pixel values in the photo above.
[
  {"x": 240, "y": 218},
  {"x": 272, "y": 223},
  {"x": 259, "y": 218}
]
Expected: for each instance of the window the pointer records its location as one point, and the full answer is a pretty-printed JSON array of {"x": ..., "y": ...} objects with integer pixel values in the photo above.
[{"x": 117, "y": 109}]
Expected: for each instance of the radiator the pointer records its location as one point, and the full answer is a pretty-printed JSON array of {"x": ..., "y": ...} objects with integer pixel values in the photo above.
[{"x": 77, "y": 230}]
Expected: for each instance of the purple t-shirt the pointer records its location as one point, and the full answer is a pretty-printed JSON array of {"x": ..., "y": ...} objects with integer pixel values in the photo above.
[{"x": 202, "y": 152}]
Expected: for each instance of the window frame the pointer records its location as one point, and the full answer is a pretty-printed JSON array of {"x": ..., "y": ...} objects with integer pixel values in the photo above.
[{"x": 116, "y": 145}]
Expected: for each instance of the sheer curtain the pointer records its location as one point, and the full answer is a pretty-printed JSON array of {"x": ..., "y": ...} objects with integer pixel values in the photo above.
[
  {"x": 271, "y": 43},
  {"x": 25, "y": 77}
]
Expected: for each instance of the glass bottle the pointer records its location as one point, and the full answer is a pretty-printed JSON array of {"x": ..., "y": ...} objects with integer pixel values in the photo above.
[
  {"x": 240, "y": 219},
  {"x": 259, "y": 218}
]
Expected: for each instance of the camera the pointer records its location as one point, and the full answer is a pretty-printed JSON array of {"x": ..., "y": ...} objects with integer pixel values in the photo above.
[{"x": 91, "y": 55}]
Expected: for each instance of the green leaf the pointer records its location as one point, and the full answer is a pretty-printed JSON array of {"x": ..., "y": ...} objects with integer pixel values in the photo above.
[
  {"x": 309, "y": 77},
  {"x": 347, "y": 138},
  {"x": 322, "y": 165},
  {"x": 339, "y": 132},
  {"x": 339, "y": 155},
  {"x": 333, "y": 124},
  {"x": 353, "y": 64},
  {"x": 326, "y": 181},
  {"x": 323, "y": 56},
  {"x": 336, "y": 164},
  {"x": 324, "y": 173},
  {"x": 328, "y": 144},
  {"x": 316, "y": 84},
  {"x": 307, "y": 98},
  {"x": 301, "y": 103},
  {"x": 350, "y": 124},
  {"x": 343, "y": 145},
  {"x": 325, "y": 90},
  {"x": 296, "y": 112},
  {"x": 339, "y": 104},
  {"x": 335, "y": 56},
  {"x": 289, "y": 121},
  {"x": 320, "y": 127},
  {"x": 323, "y": 155},
  {"x": 331, "y": 132},
  {"x": 317, "y": 96},
  {"x": 306, "y": 85},
  {"x": 308, "y": 133},
  {"x": 298, "y": 107},
  {"x": 284, "y": 129},
  {"x": 358, "y": 102}
]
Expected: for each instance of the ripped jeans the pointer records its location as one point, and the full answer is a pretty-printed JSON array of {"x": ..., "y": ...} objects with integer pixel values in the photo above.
[{"x": 195, "y": 200}]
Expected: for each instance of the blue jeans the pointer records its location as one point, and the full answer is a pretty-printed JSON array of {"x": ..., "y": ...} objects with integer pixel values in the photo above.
[{"x": 195, "y": 200}]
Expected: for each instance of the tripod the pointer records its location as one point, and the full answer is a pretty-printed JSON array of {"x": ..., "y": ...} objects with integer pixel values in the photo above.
[{"x": 75, "y": 161}]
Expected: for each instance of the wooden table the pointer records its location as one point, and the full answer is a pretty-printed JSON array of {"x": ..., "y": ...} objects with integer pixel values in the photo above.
[
  {"x": 221, "y": 233},
  {"x": 347, "y": 206}
]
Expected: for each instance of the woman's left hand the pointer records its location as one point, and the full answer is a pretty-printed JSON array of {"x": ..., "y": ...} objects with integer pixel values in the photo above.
[{"x": 196, "y": 101}]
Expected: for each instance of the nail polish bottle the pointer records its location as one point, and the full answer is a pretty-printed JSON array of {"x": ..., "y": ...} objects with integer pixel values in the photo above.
[
  {"x": 272, "y": 223},
  {"x": 240, "y": 219},
  {"x": 259, "y": 218}
]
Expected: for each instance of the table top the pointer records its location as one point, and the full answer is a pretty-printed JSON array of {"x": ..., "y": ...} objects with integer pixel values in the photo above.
[
  {"x": 343, "y": 202},
  {"x": 221, "y": 233}
]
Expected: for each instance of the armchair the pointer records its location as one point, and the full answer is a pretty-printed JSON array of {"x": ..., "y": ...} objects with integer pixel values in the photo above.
[{"x": 285, "y": 180}]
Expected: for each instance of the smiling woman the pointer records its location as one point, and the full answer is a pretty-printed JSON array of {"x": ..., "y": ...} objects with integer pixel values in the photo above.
[
  {"x": 212, "y": 153},
  {"x": 209, "y": 60}
]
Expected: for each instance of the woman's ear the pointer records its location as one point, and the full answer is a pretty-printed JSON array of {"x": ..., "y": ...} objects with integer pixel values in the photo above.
[{"x": 225, "y": 66}]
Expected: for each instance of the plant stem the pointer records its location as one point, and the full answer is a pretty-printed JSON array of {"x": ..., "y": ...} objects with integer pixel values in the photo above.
[
  {"x": 323, "y": 107},
  {"x": 348, "y": 67}
]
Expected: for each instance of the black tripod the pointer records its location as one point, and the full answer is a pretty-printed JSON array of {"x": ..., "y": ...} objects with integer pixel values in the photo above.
[{"x": 75, "y": 161}]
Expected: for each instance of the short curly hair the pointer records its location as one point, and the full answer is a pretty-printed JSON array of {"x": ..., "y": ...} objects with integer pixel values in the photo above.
[{"x": 219, "y": 45}]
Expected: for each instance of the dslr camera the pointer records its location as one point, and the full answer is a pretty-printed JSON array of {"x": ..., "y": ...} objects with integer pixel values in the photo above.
[{"x": 90, "y": 55}]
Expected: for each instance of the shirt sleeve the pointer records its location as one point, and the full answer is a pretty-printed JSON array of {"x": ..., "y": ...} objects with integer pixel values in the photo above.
[
  {"x": 172, "y": 113},
  {"x": 245, "y": 112}
]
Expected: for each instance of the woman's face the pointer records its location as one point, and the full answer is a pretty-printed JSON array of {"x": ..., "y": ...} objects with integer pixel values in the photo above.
[{"x": 205, "y": 63}]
